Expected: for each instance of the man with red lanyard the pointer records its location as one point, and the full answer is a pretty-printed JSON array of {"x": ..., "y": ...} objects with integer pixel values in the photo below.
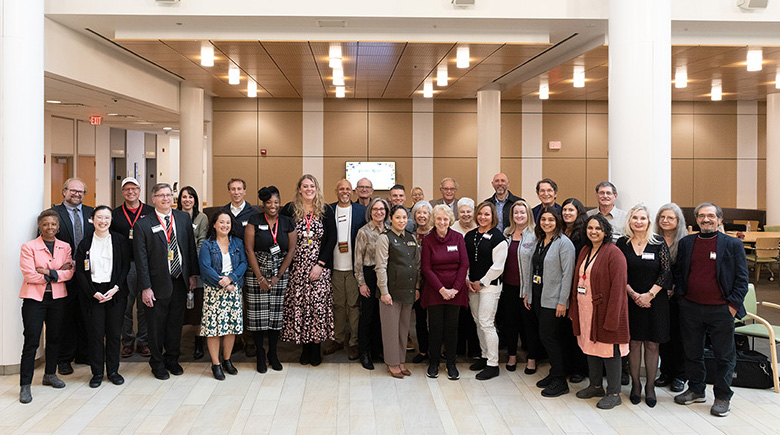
[{"x": 123, "y": 220}]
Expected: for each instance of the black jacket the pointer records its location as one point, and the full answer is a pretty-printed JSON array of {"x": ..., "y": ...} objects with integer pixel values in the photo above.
[
  {"x": 242, "y": 218},
  {"x": 358, "y": 220},
  {"x": 510, "y": 199},
  {"x": 66, "y": 227},
  {"x": 121, "y": 265},
  {"x": 730, "y": 266},
  {"x": 151, "y": 253}
]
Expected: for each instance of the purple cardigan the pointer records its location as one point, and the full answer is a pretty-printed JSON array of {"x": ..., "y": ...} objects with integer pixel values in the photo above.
[{"x": 444, "y": 263}]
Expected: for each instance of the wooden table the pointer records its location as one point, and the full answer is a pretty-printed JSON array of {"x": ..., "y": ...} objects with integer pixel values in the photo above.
[{"x": 750, "y": 237}]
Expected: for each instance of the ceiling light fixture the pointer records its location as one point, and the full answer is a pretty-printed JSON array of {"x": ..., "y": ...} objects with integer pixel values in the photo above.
[
  {"x": 544, "y": 91},
  {"x": 340, "y": 91},
  {"x": 112, "y": 114},
  {"x": 428, "y": 88},
  {"x": 338, "y": 81},
  {"x": 206, "y": 54},
  {"x": 334, "y": 56},
  {"x": 754, "y": 59},
  {"x": 579, "y": 76},
  {"x": 234, "y": 75},
  {"x": 716, "y": 94},
  {"x": 777, "y": 80},
  {"x": 441, "y": 75},
  {"x": 251, "y": 89},
  {"x": 167, "y": 128},
  {"x": 54, "y": 101},
  {"x": 338, "y": 72},
  {"x": 681, "y": 77},
  {"x": 462, "y": 59}
]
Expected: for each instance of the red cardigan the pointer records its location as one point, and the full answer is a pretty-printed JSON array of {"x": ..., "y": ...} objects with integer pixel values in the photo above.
[
  {"x": 444, "y": 263},
  {"x": 610, "y": 302}
]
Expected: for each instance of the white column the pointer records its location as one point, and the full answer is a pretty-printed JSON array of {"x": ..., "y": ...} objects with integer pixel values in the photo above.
[
  {"x": 103, "y": 183},
  {"x": 313, "y": 137},
  {"x": 640, "y": 95},
  {"x": 21, "y": 158},
  {"x": 488, "y": 139},
  {"x": 773, "y": 159},
  {"x": 422, "y": 145},
  {"x": 191, "y": 164},
  {"x": 532, "y": 146},
  {"x": 208, "y": 117},
  {"x": 747, "y": 154},
  {"x": 135, "y": 156}
]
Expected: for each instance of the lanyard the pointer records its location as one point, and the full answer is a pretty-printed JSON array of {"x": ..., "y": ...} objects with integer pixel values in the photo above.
[
  {"x": 137, "y": 215},
  {"x": 309, "y": 217},
  {"x": 541, "y": 253},
  {"x": 275, "y": 229},
  {"x": 589, "y": 260},
  {"x": 167, "y": 231}
]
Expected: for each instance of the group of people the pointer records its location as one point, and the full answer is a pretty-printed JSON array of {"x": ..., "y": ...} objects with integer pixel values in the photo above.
[{"x": 584, "y": 289}]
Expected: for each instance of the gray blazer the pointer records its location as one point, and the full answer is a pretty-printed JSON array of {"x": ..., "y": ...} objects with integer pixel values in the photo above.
[
  {"x": 558, "y": 273},
  {"x": 524, "y": 253}
]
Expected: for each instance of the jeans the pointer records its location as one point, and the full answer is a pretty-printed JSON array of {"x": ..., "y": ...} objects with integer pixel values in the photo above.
[{"x": 34, "y": 315}]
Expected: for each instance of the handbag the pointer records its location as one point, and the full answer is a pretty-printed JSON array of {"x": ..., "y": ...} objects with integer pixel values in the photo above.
[{"x": 753, "y": 369}]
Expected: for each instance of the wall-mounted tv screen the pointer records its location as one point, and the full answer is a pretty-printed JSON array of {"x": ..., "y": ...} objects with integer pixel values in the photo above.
[{"x": 381, "y": 174}]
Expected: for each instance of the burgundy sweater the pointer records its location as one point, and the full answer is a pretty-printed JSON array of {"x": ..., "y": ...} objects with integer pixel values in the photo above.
[{"x": 444, "y": 263}]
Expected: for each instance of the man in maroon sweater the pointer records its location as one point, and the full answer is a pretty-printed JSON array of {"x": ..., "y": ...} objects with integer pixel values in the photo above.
[{"x": 711, "y": 278}]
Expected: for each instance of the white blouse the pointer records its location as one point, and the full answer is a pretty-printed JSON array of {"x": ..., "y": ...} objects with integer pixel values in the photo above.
[
  {"x": 101, "y": 259},
  {"x": 227, "y": 265}
]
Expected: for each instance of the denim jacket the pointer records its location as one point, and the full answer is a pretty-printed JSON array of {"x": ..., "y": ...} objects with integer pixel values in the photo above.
[{"x": 210, "y": 260}]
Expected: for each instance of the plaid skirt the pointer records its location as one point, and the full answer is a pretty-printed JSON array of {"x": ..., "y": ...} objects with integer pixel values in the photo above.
[{"x": 264, "y": 309}]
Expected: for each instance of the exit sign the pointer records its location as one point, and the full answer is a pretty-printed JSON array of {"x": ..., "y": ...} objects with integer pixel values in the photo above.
[{"x": 96, "y": 120}]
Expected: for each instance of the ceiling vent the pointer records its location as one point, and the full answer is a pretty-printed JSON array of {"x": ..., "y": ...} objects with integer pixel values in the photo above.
[
  {"x": 751, "y": 5},
  {"x": 463, "y": 3},
  {"x": 167, "y": 2}
]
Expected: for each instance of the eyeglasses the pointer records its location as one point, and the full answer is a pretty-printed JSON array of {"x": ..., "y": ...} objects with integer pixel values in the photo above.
[
  {"x": 363, "y": 187},
  {"x": 667, "y": 218},
  {"x": 131, "y": 188},
  {"x": 449, "y": 189},
  {"x": 164, "y": 195},
  {"x": 77, "y": 192},
  {"x": 709, "y": 216}
]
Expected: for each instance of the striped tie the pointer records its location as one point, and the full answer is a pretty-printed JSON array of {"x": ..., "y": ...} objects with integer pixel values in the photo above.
[{"x": 176, "y": 262}]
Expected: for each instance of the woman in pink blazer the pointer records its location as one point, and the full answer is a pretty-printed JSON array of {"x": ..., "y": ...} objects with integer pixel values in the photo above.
[{"x": 46, "y": 264}]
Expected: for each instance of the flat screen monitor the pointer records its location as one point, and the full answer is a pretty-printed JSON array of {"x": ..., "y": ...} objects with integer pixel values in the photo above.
[{"x": 381, "y": 174}]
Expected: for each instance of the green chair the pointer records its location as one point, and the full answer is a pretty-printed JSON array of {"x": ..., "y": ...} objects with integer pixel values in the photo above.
[
  {"x": 772, "y": 228},
  {"x": 761, "y": 329},
  {"x": 765, "y": 253}
]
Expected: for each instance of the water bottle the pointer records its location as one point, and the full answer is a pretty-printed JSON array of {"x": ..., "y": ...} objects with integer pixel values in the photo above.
[
  {"x": 747, "y": 226},
  {"x": 190, "y": 300}
]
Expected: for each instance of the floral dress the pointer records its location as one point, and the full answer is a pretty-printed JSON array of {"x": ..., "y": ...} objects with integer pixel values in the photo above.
[{"x": 308, "y": 305}]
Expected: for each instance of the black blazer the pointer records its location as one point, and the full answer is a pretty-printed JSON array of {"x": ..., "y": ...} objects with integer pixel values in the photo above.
[
  {"x": 328, "y": 239},
  {"x": 151, "y": 253},
  {"x": 66, "y": 227},
  {"x": 730, "y": 266},
  {"x": 358, "y": 220},
  {"x": 121, "y": 265}
]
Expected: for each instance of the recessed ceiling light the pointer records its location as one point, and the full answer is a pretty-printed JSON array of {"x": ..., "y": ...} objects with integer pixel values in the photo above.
[
  {"x": 112, "y": 114},
  {"x": 462, "y": 59},
  {"x": 167, "y": 128},
  {"x": 53, "y": 101}
]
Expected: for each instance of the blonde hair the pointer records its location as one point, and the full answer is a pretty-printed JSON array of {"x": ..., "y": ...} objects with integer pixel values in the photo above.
[
  {"x": 512, "y": 225},
  {"x": 446, "y": 210},
  {"x": 650, "y": 236},
  {"x": 319, "y": 204}
]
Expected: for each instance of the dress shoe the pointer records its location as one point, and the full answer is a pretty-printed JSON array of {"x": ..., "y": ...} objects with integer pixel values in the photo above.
[
  {"x": 452, "y": 372},
  {"x": 316, "y": 355},
  {"x": 677, "y": 385},
  {"x": 529, "y": 371},
  {"x": 488, "y": 373},
  {"x": 273, "y": 360},
  {"x": 261, "y": 367},
  {"x": 576, "y": 378},
  {"x": 557, "y": 387},
  {"x": 250, "y": 350},
  {"x": 144, "y": 351},
  {"x": 433, "y": 371},
  {"x": 636, "y": 394},
  {"x": 127, "y": 351},
  {"x": 64, "y": 368},
  {"x": 624, "y": 378},
  {"x": 650, "y": 398},
  {"x": 95, "y": 381},
  {"x": 406, "y": 372},
  {"x": 161, "y": 374},
  {"x": 353, "y": 353},
  {"x": 397, "y": 375},
  {"x": 662, "y": 380},
  {"x": 511, "y": 367},
  {"x": 365, "y": 361},
  {"x": 544, "y": 382},
  {"x": 305, "y": 354},
  {"x": 229, "y": 367},
  {"x": 116, "y": 378},
  {"x": 53, "y": 380},
  {"x": 480, "y": 364},
  {"x": 197, "y": 352},
  {"x": 174, "y": 368},
  {"x": 25, "y": 395},
  {"x": 332, "y": 347},
  {"x": 609, "y": 401},
  {"x": 216, "y": 370},
  {"x": 420, "y": 357},
  {"x": 591, "y": 391}
]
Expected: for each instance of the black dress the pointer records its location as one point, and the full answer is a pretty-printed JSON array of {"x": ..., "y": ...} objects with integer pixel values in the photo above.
[{"x": 653, "y": 266}]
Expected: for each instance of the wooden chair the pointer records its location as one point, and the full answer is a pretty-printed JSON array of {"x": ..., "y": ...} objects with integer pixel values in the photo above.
[
  {"x": 753, "y": 224},
  {"x": 772, "y": 228},
  {"x": 761, "y": 328},
  {"x": 766, "y": 252}
]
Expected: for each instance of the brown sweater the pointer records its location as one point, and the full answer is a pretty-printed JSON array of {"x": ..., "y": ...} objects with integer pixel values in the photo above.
[{"x": 608, "y": 288}]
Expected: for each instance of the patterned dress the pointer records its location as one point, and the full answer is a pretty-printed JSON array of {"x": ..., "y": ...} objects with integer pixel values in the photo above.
[{"x": 308, "y": 305}]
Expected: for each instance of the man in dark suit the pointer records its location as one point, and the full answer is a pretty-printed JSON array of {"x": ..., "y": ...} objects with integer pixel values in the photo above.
[
  {"x": 711, "y": 280},
  {"x": 75, "y": 224},
  {"x": 242, "y": 211},
  {"x": 166, "y": 264},
  {"x": 350, "y": 216},
  {"x": 502, "y": 199}
]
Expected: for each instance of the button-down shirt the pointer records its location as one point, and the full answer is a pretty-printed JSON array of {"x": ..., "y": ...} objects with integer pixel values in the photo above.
[
  {"x": 500, "y": 213},
  {"x": 236, "y": 210},
  {"x": 70, "y": 209},
  {"x": 616, "y": 217},
  {"x": 365, "y": 249}
]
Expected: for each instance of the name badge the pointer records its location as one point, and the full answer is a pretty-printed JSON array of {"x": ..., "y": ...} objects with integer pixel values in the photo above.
[
  {"x": 342, "y": 218},
  {"x": 170, "y": 255},
  {"x": 130, "y": 234},
  {"x": 86, "y": 264},
  {"x": 582, "y": 290},
  {"x": 157, "y": 228},
  {"x": 275, "y": 250},
  {"x": 194, "y": 227},
  {"x": 713, "y": 256},
  {"x": 648, "y": 256},
  {"x": 89, "y": 220},
  {"x": 243, "y": 224},
  {"x": 452, "y": 248},
  {"x": 537, "y": 279},
  {"x": 262, "y": 227},
  {"x": 487, "y": 236}
]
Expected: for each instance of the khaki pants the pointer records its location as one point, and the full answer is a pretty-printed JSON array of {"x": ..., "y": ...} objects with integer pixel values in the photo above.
[
  {"x": 395, "y": 329},
  {"x": 346, "y": 311},
  {"x": 483, "y": 306}
]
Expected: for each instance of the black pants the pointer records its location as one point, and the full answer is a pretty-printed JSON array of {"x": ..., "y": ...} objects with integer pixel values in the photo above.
[
  {"x": 468, "y": 340},
  {"x": 697, "y": 321},
  {"x": 421, "y": 326},
  {"x": 34, "y": 315},
  {"x": 672, "y": 352},
  {"x": 549, "y": 334},
  {"x": 164, "y": 320},
  {"x": 574, "y": 360},
  {"x": 509, "y": 305},
  {"x": 531, "y": 327},
  {"x": 369, "y": 326},
  {"x": 74, "y": 342},
  {"x": 105, "y": 326},
  {"x": 443, "y": 324},
  {"x": 596, "y": 366}
]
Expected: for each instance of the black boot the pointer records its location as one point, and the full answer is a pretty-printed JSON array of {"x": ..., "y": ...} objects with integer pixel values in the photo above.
[
  {"x": 198, "y": 352},
  {"x": 273, "y": 359},
  {"x": 305, "y": 354},
  {"x": 316, "y": 354},
  {"x": 261, "y": 367}
]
